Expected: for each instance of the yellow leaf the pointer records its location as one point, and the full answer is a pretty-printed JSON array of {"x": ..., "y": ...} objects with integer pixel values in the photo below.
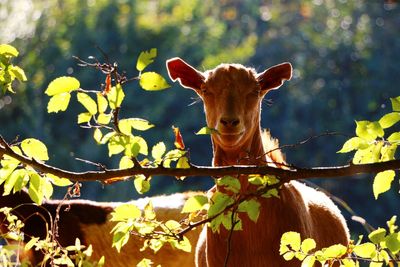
[
  {"x": 62, "y": 85},
  {"x": 152, "y": 81}
]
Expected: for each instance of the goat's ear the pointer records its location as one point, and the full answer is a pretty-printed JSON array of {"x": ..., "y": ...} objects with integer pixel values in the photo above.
[
  {"x": 186, "y": 75},
  {"x": 275, "y": 76}
]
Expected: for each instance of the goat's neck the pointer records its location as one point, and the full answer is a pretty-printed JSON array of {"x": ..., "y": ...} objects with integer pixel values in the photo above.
[{"x": 249, "y": 153}]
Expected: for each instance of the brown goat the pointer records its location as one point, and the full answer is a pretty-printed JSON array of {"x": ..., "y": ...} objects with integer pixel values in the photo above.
[
  {"x": 89, "y": 221},
  {"x": 232, "y": 96}
]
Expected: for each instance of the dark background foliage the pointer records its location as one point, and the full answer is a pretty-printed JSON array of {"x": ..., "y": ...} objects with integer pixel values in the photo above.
[{"x": 345, "y": 56}]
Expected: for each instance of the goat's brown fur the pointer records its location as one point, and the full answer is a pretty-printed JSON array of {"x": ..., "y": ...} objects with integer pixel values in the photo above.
[
  {"x": 89, "y": 221},
  {"x": 232, "y": 96}
]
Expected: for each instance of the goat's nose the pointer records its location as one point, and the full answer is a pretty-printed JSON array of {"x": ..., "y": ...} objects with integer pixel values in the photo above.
[{"x": 230, "y": 122}]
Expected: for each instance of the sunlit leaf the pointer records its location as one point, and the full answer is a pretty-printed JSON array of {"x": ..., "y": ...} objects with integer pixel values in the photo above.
[
  {"x": 10, "y": 182},
  {"x": 365, "y": 250},
  {"x": 36, "y": 188},
  {"x": 394, "y": 137},
  {"x": 388, "y": 152},
  {"x": 219, "y": 202},
  {"x": 87, "y": 102},
  {"x": 115, "y": 96},
  {"x": 18, "y": 73},
  {"x": 251, "y": 207},
  {"x": 146, "y": 58},
  {"x": 102, "y": 103},
  {"x": 382, "y": 182},
  {"x": 124, "y": 212},
  {"x": 207, "y": 130},
  {"x": 149, "y": 213},
  {"x": 392, "y": 242},
  {"x": 104, "y": 118},
  {"x": 194, "y": 203},
  {"x": 183, "y": 244},
  {"x": 307, "y": 245},
  {"x": 84, "y": 117},
  {"x": 377, "y": 236},
  {"x": 158, "y": 150},
  {"x": 142, "y": 184},
  {"x": 335, "y": 251},
  {"x": 229, "y": 183},
  {"x": 31, "y": 243},
  {"x": 369, "y": 130},
  {"x": 352, "y": 144},
  {"x": 35, "y": 149},
  {"x": 58, "y": 181},
  {"x": 117, "y": 144},
  {"x": 308, "y": 261},
  {"x": 97, "y": 135},
  {"x": 8, "y": 50},
  {"x": 58, "y": 102},
  {"x": 62, "y": 85},
  {"x": 183, "y": 163},
  {"x": 395, "y": 103},
  {"x": 152, "y": 81},
  {"x": 291, "y": 239},
  {"x": 389, "y": 119},
  {"x": 145, "y": 263},
  {"x": 126, "y": 163},
  {"x": 140, "y": 124}
]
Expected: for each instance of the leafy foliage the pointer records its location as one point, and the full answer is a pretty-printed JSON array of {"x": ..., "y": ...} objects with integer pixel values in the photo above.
[
  {"x": 8, "y": 71},
  {"x": 371, "y": 146}
]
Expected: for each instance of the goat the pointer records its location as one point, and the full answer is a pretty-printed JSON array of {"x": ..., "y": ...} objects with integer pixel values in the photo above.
[
  {"x": 232, "y": 96},
  {"x": 89, "y": 221}
]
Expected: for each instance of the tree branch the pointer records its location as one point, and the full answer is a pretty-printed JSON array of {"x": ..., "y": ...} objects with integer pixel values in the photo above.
[{"x": 292, "y": 173}]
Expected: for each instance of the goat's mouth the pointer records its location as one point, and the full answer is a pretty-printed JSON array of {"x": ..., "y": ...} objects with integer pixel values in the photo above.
[{"x": 230, "y": 139}]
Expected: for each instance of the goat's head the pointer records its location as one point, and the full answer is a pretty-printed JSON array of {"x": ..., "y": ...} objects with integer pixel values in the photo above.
[{"x": 232, "y": 95}]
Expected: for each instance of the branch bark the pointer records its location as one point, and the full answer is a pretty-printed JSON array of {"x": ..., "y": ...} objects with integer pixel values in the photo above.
[{"x": 291, "y": 173}]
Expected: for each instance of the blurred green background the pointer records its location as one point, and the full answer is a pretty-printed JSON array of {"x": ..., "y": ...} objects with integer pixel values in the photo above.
[{"x": 345, "y": 56}]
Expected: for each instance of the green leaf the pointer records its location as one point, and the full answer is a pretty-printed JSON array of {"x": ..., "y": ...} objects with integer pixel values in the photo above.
[
  {"x": 308, "y": 261},
  {"x": 146, "y": 58},
  {"x": 352, "y": 144},
  {"x": 87, "y": 102},
  {"x": 291, "y": 239},
  {"x": 104, "y": 119},
  {"x": 58, "y": 181},
  {"x": 392, "y": 242},
  {"x": 117, "y": 144},
  {"x": 207, "y": 130},
  {"x": 36, "y": 188},
  {"x": 388, "y": 152},
  {"x": 395, "y": 103},
  {"x": 18, "y": 73},
  {"x": 229, "y": 183},
  {"x": 140, "y": 124},
  {"x": 145, "y": 263},
  {"x": 183, "y": 163},
  {"x": 382, "y": 182},
  {"x": 394, "y": 137},
  {"x": 251, "y": 207},
  {"x": 183, "y": 244},
  {"x": 120, "y": 239},
  {"x": 389, "y": 120},
  {"x": 219, "y": 201},
  {"x": 152, "y": 81},
  {"x": 124, "y": 126},
  {"x": 97, "y": 135},
  {"x": 15, "y": 177},
  {"x": 115, "y": 96},
  {"x": 62, "y": 85},
  {"x": 377, "y": 236},
  {"x": 392, "y": 224},
  {"x": 335, "y": 251},
  {"x": 194, "y": 203},
  {"x": 126, "y": 163},
  {"x": 31, "y": 243},
  {"x": 125, "y": 212},
  {"x": 142, "y": 184},
  {"x": 369, "y": 130},
  {"x": 158, "y": 150},
  {"x": 58, "y": 102},
  {"x": 35, "y": 149},
  {"x": 370, "y": 154},
  {"x": 307, "y": 245},
  {"x": 84, "y": 117},
  {"x": 365, "y": 250},
  {"x": 149, "y": 213},
  {"x": 102, "y": 103},
  {"x": 8, "y": 50}
]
